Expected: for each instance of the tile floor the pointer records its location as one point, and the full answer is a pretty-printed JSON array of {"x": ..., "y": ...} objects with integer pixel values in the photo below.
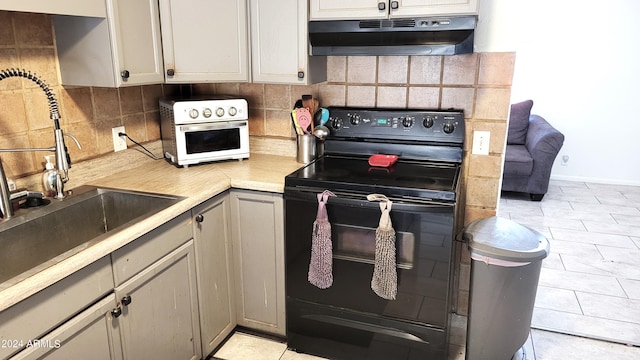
[{"x": 589, "y": 284}]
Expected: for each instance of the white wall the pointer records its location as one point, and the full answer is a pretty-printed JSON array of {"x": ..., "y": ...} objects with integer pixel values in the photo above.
[{"x": 579, "y": 62}]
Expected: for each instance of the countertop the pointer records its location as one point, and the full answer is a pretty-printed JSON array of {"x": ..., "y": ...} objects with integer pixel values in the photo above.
[{"x": 195, "y": 183}]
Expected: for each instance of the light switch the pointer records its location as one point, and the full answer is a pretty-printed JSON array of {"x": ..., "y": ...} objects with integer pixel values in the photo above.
[{"x": 481, "y": 140}]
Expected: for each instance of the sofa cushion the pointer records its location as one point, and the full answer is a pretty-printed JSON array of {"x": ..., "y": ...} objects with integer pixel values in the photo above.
[
  {"x": 519, "y": 122},
  {"x": 517, "y": 161}
]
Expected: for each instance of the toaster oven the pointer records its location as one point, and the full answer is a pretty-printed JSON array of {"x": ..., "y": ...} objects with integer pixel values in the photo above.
[{"x": 198, "y": 130}]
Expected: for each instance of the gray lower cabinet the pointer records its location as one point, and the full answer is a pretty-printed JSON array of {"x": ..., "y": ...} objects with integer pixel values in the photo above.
[
  {"x": 258, "y": 259},
  {"x": 156, "y": 290},
  {"x": 159, "y": 307},
  {"x": 139, "y": 303},
  {"x": 215, "y": 284},
  {"x": 90, "y": 332}
]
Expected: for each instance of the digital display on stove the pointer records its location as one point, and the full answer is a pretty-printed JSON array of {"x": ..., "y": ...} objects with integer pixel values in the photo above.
[{"x": 382, "y": 122}]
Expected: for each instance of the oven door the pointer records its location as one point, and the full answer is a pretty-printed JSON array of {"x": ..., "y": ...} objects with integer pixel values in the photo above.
[
  {"x": 212, "y": 141},
  {"x": 349, "y": 315}
]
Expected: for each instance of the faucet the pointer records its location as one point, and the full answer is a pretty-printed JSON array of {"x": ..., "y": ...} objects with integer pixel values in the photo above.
[{"x": 63, "y": 160}]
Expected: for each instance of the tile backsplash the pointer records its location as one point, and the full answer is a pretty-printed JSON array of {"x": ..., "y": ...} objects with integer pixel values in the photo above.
[{"x": 478, "y": 83}]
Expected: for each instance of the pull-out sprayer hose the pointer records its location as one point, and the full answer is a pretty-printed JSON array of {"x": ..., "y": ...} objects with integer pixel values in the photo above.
[{"x": 53, "y": 103}]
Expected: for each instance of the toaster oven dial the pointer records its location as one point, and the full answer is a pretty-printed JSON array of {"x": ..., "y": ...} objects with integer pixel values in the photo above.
[
  {"x": 193, "y": 113},
  {"x": 233, "y": 111},
  {"x": 219, "y": 112},
  {"x": 206, "y": 112}
]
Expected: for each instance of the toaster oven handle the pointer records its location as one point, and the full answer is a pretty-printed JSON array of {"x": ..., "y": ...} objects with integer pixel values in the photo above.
[{"x": 216, "y": 126}]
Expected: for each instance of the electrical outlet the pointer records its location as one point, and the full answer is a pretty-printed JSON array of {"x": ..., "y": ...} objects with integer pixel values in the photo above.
[
  {"x": 119, "y": 142},
  {"x": 481, "y": 141}
]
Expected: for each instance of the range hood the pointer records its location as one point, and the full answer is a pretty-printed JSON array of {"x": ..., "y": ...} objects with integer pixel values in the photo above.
[{"x": 397, "y": 36}]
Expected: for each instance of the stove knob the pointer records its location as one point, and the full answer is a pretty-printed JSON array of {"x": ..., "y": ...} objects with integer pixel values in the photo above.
[
  {"x": 193, "y": 113},
  {"x": 337, "y": 123},
  {"x": 448, "y": 128},
  {"x": 407, "y": 122},
  {"x": 427, "y": 122},
  {"x": 206, "y": 112},
  {"x": 219, "y": 112},
  {"x": 355, "y": 119},
  {"x": 233, "y": 111}
]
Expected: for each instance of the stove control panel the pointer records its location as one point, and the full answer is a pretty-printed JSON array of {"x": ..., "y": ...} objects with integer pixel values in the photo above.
[{"x": 397, "y": 124}]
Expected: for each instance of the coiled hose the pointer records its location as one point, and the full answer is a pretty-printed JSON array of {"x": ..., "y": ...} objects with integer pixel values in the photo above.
[{"x": 53, "y": 103}]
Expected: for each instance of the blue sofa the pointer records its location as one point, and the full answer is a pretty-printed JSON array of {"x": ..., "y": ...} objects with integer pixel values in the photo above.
[{"x": 532, "y": 146}]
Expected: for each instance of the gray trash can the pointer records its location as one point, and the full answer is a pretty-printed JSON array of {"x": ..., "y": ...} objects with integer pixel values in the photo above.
[{"x": 505, "y": 267}]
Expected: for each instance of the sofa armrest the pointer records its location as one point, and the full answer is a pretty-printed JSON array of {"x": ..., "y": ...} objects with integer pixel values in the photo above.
[
  {"x": 544, "y": 143},
  {"x": 542, "y": 138}
]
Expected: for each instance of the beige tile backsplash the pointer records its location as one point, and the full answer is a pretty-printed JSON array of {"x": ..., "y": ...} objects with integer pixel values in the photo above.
[{"x": 478, "y": 83}]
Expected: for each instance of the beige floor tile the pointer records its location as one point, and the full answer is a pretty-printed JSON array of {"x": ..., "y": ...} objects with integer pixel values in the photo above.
[
  {"x": 610, "y": 307},
  {"x": 553, "y": 346},
  {"x": 292, "y": 355},
  {"x": 557, "y": 299},
  {"x": 569, "y": 280},
  {"x": 587, "y": 326},
  {"x": 622, "y": 241},
  {"x": 617, "y": 229},
  {"x": 241, "y": 346},
  {"x": 631, "y": 288}
]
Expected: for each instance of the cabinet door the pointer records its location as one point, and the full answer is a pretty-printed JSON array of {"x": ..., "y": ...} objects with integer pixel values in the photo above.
[
  {"x": 280, "y": 45},
  {"x": 123, "y": 49},
  {"x": 90, "y": 332},
  {"x": 353, "y": 9},
  {"x": 408, "y": 8},
  {"x": 213, "y": 256},
  {"x": 160, "y": 311},
  {"x": 204, "y": 41},
  {"x": 68, "y": 7},
  {"x": 136, "y": 29},
  {"x": 370, "y": 9},
  {"x": 258, "y": 251}
]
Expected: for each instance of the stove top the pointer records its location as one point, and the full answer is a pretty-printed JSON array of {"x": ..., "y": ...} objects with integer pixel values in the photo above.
[
  {"x": 406, "y": 179},
  {"x": 429, "y": 144}
]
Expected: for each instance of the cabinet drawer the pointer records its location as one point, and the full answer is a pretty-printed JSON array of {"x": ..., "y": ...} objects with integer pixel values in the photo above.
[
  {"x": 144, "y": 251},
  {"x": 36, "y": 315},
  {"x": 89, "y": 332}
]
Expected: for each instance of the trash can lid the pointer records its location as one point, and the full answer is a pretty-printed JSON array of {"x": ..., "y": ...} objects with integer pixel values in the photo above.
[{"x": 504, "y": 239}]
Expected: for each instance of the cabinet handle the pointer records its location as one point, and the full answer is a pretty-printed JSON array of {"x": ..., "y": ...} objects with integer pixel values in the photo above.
[
  {"x": 382, "y": 5},
  {"x": 116, "y": 312},
  {"x": 300, "y": 74},
  {"x": 394, "y": 5},
  {"x": 126, "y": 300},
  {"x": 171, "y": 72},
  {"x": 125, "y": 74},
  {"x": 199, "y": 218}
]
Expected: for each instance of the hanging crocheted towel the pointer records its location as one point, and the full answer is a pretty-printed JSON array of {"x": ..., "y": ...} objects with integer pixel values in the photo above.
[
  {"x": 321, "y": 264},
  {"x": 385, "y": 279}
]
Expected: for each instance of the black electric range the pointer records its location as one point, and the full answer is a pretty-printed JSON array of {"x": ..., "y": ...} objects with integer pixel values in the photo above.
[{"x": 348, "y": 320}]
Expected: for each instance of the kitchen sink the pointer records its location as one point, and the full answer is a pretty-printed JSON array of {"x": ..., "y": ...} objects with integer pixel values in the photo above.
[{"x": 38, "y": 238}]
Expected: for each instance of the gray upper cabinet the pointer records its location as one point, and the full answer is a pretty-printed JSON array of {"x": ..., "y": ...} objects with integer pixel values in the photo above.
[
  {"x": 258, "y": 253},
  {"x": 123, "y": 49},
  {"x": 382, "y": 9},
  {"x": 211, "y": 221},
  {"x": 280, "y": 46},
  {"x": 205, "y": 41},
  {"x": 68, "y": 7}
]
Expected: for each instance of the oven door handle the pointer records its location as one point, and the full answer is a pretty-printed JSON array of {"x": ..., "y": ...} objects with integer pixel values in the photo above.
[
  {"x": 399, "y": 204},
  {"x": 219, "y": 126}
]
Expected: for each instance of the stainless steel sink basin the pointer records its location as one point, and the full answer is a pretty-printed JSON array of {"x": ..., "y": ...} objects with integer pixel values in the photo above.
[{"x": 36, "y": 239}]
